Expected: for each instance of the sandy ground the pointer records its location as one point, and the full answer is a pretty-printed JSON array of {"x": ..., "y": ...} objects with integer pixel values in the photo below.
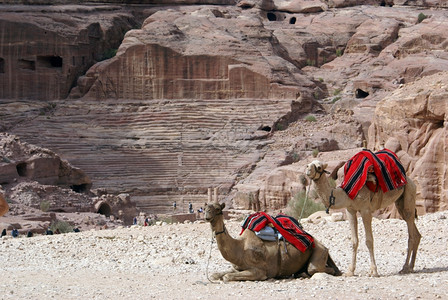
[{"x": 175, "y": 261}]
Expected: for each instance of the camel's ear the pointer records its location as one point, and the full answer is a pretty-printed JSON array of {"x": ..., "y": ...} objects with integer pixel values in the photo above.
[
  {"x": 324, "y": 165},
  {"x": 223, "y": 205},
  {"x": 205, "y": 204}
]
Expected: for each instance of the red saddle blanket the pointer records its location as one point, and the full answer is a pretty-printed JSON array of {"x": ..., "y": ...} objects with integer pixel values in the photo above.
[
  {"x": 384, "y": 164},
  {"x": 287, "y": 226}
]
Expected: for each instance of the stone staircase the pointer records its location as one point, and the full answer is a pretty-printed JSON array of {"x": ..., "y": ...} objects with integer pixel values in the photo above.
[{"x": 159, "y": 151}]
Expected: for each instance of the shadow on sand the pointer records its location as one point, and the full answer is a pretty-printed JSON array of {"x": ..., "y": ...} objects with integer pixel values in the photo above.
[{"x": 432, "y": 270}]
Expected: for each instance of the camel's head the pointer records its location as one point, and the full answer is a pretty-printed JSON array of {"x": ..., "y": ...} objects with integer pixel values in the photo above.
[
  {"x": 212, "y": 210},
  {"x": 315, "y": 169}
]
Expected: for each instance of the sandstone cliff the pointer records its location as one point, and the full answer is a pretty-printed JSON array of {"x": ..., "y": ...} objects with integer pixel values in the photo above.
[
  {"x": 212, "y": 95},
  {"x": 412, "y": 121}
]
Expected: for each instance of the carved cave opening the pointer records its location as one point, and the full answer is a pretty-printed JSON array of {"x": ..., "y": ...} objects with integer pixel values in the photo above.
[
  {"x": 292, "y": 20},
  {"x": 79, "y": 188},
  {"x": 50, "y": 61},
  {"x": 271, "y": 16},
  {"x": 2, "y": 65},
  {"x": 104, "y": 209},
  {"x": 21, "y": 169},
  {"x": 384, "y": 3},
  {"x": 266, "y": 128},
  {"x": 361, "y": 94},
  {"x": 27, "y": 64}
]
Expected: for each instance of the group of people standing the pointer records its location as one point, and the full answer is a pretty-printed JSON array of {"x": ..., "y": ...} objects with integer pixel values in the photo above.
[{"x": 190, "y": 208}]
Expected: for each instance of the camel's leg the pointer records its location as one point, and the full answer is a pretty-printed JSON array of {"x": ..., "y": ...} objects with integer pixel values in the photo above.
[
  {"x": 321, "y": 261},
  {"x": 331, "y": 265},
  {"x": 413, "y": 242},
  {"x": 367, "y": 220},
  {"x": 318, "y": 259},
  {"x": 4, "y": 207},
  {"x": 251, "y": 274},
  {"x": 406, "y": 208},
  {"x": 414, "y": 234},
  {"x": 354, "y": 232},
  {"x": 220, "y": 275}
]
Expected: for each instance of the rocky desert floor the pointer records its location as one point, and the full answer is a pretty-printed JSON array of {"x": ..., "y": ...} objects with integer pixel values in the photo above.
[{"x": 174, "y": 261}]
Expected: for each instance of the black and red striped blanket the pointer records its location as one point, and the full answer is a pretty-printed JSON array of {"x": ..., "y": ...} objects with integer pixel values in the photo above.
[
  {"x": 287, "y": 226},
  {"x": 384, "y": 164}
]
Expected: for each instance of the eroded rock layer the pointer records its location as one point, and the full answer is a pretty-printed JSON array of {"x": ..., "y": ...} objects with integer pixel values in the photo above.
[
  {"x": 413, "y": 122},
  {"x": 197, "y": 96}
]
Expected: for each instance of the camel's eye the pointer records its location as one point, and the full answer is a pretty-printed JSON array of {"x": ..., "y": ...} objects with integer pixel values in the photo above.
[{"x": 319, "y": 168}]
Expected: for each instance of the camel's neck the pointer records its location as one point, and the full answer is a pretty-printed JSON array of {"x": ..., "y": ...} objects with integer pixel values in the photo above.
[
  {"x": 324, "y": 191},
  {"x": 229, "y": 247}
]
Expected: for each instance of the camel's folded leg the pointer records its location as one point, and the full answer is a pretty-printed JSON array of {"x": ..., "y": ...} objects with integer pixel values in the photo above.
[
  {"x": 251, "y": 274},
  {"x": 220, "y": 275},
  {"x": 320, "y": 261}
]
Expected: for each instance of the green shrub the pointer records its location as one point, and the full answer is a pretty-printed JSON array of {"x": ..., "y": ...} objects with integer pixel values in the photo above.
[
  {"x": 338, "y": 52},
  {"x": 62, "y": 226},
  {"x": 310, "y": 62},
  {"x": 109, "y": 53},
  {"x": 421, "y": 17},
  {"x": 44, "y": 206},
  {"x": 336, "y": 99},
  {"x": 315, "y": 152},
  {"x": 310, "y": 118},
  {"x": 299, "y": 203}
]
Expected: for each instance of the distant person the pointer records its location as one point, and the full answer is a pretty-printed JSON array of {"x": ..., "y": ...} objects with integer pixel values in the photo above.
[
  {"x": 15, "y": 233},
  {"x": 190, "y": 207},
  {"x": 76, "y": 229},
  {"x": 135, "y": 221},
  {"x": 174, "y": 206},
  {"x": 49, "y": 232},
  {"x": 3, "y": 232},
  {"x": 29, "y": 234}
]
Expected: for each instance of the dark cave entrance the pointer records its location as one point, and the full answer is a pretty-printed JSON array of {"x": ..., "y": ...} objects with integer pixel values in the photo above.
[
  {"x": 21, "y": 169},
  {"x": 361, "y": 94},
  {"x": 104, "y": 209},
  {"x": 271, "y": 16},
  {"x": 266, "y": 128},
  {"x": 79, "y": 188},
  {"x": 2, "y": 65},
  {"x": 50, "y": 61}
]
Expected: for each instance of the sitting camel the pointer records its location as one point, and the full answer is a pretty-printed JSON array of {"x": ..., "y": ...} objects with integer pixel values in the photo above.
[
  {"x": 366, "y": 202},
  {"x": 257, "y": 259},
  {"x": 4, "y": 207}
]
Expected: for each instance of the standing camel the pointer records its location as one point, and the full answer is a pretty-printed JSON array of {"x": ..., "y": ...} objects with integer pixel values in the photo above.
[
  {"x": 366, "y": 202},
  {"x": 4, "y": 207},
  {"x": 255, "y": 259}
]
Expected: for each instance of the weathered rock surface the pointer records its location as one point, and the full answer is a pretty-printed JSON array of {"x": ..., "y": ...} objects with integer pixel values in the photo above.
[
  {"x": 412, "y": 121},
  {"x": 22, "y": 160},
  {"x": 37, "y": 181},
  {"x": 45, "y": 49},
  {"x": 197, "y": 97}
]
